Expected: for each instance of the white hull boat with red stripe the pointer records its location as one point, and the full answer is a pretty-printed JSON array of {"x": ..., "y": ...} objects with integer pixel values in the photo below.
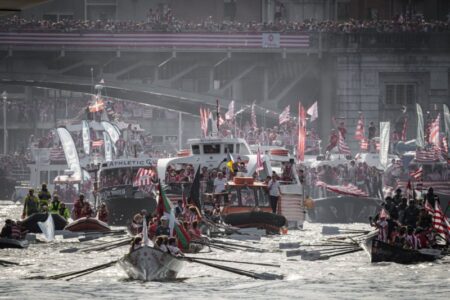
[{"x": 150, "y": 264}]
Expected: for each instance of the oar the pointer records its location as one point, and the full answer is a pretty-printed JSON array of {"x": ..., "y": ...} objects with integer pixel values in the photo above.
[
  {"x": 96, "y": 247},
  {"x": 6, "y": 262},
  {"x": 337, "y": 254},
  {"x": 232, "y": 261},
  {"x": 253, "y": 275},
  {"x": 250, "y": 248},
  {"x": 77, "y": 273},
  {"x": 306, "y": 252}
]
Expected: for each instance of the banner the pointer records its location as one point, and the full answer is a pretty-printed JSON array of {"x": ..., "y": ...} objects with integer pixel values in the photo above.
[
  {"x": 86, "y": 137},
  {"x": 313, "y": 111},
  {"x": 301, "y": 133},
  {"x": 384, "y": 142},
  {"x": 108, "y": 146},
  {"x": 70, "y": 151},
  {"x": 420, "y": 138},
  {"x": 271, "y": 40},
  {"x": 113, "y": 132}
]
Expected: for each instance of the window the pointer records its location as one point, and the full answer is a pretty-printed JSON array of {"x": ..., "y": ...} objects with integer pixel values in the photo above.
[
  {"x": 238, "y": 148},
  {"x": 211, "y": 148},
  {"x": 229, "y": 148},
  {"x": 195, "y": 149},
  {"x": 400, "y": 94},
  {"x": 157, "y": 139},
  {"x": 53, "y": 175}
]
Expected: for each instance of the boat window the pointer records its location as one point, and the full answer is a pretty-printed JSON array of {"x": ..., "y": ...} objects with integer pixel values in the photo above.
[
  {"x": 238, "y": 147},
  {"x": 229, "y": 148},
  {"x": 195, "y": 149},
  {"x": 247, "y": 196},
  {"x": 263, "y": 199},
  {"x": 233, "y": 198},
  {"x": 118, "y": 177},
  {"x": 53, "y": 175},
  {"x": 211, "y": 148}
]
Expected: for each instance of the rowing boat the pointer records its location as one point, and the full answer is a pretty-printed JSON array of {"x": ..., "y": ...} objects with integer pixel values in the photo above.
[
  {"x": 88, "y": 225},
  {"x": 13, "y": 243},
  {"x": 150, "y": 264},
  {"x": 380, "y": 252},
  {"x": 31, "y": 222}
]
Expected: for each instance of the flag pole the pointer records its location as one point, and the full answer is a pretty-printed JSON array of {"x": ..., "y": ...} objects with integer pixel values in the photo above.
[{"x": 217, "y": 115}]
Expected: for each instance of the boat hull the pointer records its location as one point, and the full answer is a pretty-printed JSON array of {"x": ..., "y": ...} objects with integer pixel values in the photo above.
[
  {"x": 31, "y": 223},
  {"x": 343, "y": 209},
  {"x": 259, "y": 219},
  {"x": 149, "y": 264},
  {"x": 383, "y": 252},
  {"x": 88, "y": 225},
  {"x": 122, "y": 209},
  {"x": 12, "y": 243}
]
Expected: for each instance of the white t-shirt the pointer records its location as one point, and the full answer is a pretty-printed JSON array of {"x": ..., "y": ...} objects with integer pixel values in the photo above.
[
  {"x": 274, "y": 188},
  {"x": 219, "y": 184}
]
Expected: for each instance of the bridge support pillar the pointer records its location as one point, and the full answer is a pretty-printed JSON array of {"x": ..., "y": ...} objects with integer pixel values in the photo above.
[
  {"x": 265, "y": 84},
  {"x": 211, "y": 79},
  {"x": 327, "y": 98}
]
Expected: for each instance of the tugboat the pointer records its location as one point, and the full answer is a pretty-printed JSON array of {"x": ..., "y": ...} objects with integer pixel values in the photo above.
[{"x": 247, "y": 205}]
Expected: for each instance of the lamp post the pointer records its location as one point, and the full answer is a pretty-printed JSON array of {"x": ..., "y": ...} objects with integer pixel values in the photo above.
[{"x": 5, "y": 131}]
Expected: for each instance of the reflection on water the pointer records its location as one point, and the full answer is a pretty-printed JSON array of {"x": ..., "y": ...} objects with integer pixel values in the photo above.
[{"x": 345, "y": 277}]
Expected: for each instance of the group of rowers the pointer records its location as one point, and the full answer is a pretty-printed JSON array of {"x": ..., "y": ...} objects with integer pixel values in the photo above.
[
  {"x": 44, "y": 202},
  {"x": 406, "y": 224},
  {"x": 159, "y": 231}
]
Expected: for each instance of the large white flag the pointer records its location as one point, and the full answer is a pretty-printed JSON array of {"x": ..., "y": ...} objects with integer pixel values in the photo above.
[
  {"x": 86, "y": 137},
  {"x": 229, "y": 115},
  {"x": 420, "y": 138},
  {"x": 313, "y": 111},
  {"x": 447, "y": 121},
  {"x": 108, "y": 146},
  {"x": 48, "y": 228},
  {"x": 70, "y": 151},
  {"x": 384, "y": 142}
]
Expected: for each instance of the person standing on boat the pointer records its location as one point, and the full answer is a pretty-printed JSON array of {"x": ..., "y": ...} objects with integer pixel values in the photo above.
[
  {"x": 44, "y": 196},
  {"x": 219, "y": 184},
  {"x": 274, "y": 192},
  {"x": 163, "y": 229},
  {"x": 78, "y": 207},
  {"x": 31, "y": 205}
]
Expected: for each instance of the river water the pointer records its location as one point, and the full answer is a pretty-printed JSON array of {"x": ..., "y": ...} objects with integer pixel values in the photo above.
[{"x": 344, "y": 277}]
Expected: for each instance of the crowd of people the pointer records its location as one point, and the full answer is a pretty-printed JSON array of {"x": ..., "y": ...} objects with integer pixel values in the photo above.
[
  {"x": 407, "y": 223},
  {"x": 158, "y": 21}
]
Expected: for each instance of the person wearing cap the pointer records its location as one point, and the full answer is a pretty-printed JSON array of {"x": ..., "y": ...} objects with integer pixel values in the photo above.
[
  {"x": 31, "y": 204},
  {"x": 44, "y": 196},
  {"x": 163, "y": 228}
]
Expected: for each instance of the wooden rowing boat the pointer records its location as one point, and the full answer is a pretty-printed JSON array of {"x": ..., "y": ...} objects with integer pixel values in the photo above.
[
  {"x": 88, "y": 225},
  {"x": 380, "y": 252},
  {"x": 13, "y": 243},
  {"x": 150, "y": 264}
]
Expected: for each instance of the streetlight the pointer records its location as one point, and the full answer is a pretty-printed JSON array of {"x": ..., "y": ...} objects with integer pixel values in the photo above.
[{"x": 5, "y": 131}]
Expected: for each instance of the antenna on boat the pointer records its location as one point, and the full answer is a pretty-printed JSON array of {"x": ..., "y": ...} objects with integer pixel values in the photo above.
[{"x": 217, "y": 115}]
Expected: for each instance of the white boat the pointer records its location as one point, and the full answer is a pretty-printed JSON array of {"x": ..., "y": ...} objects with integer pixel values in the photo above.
[{"x": 150, "y": 264}]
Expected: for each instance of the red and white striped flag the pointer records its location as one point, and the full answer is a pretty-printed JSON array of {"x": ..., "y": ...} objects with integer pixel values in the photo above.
[
  {"x": 229, "y": 115},
  {"x": 254, "y": 125},
  {"x": 99, "y": 105},
  {"x": 359, "y": 133},
  {"x": 427, "y": 206},
  {"x": 417, "y": 174},
  {"x": 440, "y": 222},
  {"x": 57, "y": 154},
  {"x": 97, "y": 143},
  {"x": 285, "y": 116},
  {"x": 143, "y": 177},
  {"x": 434, "y": 132},
  {"x": 204, "y": 115},
  {"x": 348, "y": 189},
  {"x": 259, "y": 161},
  {"x": 364, "y": 145},
  {"x": 342, "y": 145},
  {"x": 301, "y": 133},
  {"x": 428, "y": 155}
]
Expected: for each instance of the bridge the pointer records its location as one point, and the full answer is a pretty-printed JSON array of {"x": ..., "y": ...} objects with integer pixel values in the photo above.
[{"x": 345, "y": 72}]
